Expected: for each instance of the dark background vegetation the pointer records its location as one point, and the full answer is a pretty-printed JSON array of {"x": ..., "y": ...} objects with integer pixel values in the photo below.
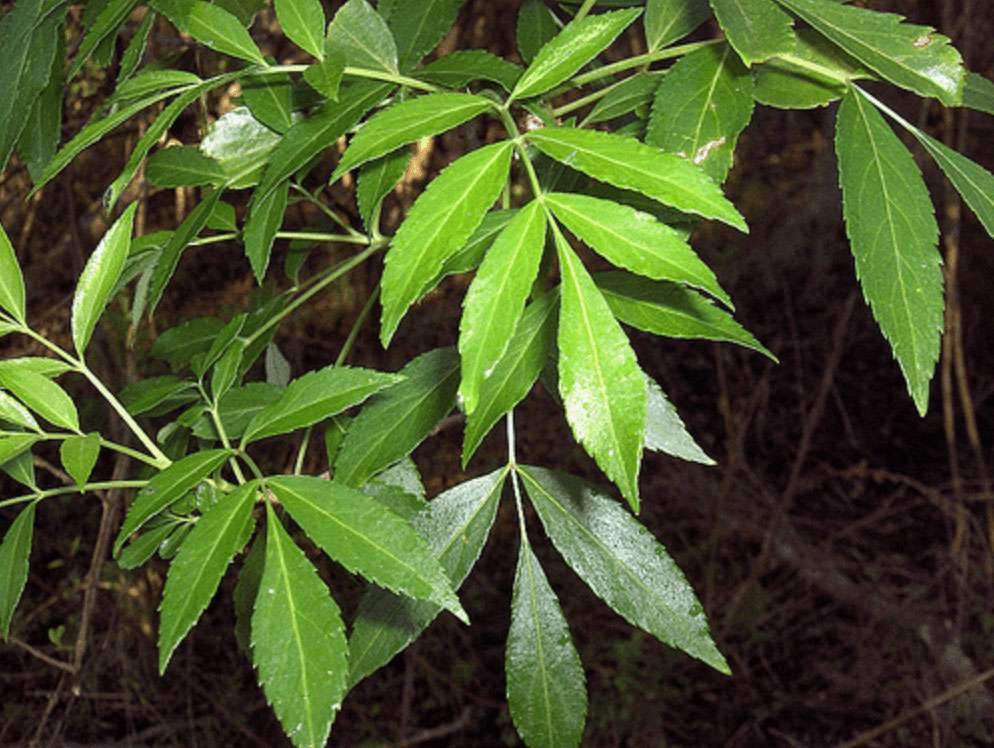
[{"x": 842, "y": 547}]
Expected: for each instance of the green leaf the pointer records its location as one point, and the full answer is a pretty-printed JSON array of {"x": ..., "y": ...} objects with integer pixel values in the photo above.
[
  {"x": 108, "y": 21},
  {"x": 757, "y": 29},
  {"x": 360, "y": 35},
  {"x": 142, "y": 548},
  {"x": 626, "y": 97},
  {"x": 786, "y": 84},
  {"x": 264, "y": 220},
  {"x": 634, "y": 240},
  {"x": 41, "y": 134},
  {"x": 315, "y": 396},
  {"x": 225, "y": 372},
  {"x": 627, "y": 163},
  {"x": 135, "y": 50},
  {"x": 602, "y": 387},
  {"x": 325, "y": 76},
  {"x": 408, "y": 122},
  {"x": 30, "y": 33},
  {"x": 546, "y": 686},
  {"x": 910, "y": 56},
  {"x": 225, "y": 338},
  {"x": 242, "y": 145},
  {"x": 11, "y": 280},
  {"x": 42, "y": 395},
  {"x": 22, "y": 469},
  {"x": 459, "y": 69},
  {"x": 308, "y": 137},
  {"x": 150, "y": 81},
  {"x": 277, "y": 367},
  {"x": 182, "y": 166},
  {"x": 621, "y": 562},
  {"x": 244, "y": 10},
  {"x": 167, "y": 486},
  {"x": 14, "y": 552},
  {"x": 536, "y": 26},
  {"x": 666, "y": 21},
  {"x": 303, "y": 22},
  {"x": 298, "y": 641},
  {"x": 665, "y": 432},
  {"x": 270, "y": 99},
  {"x": 471, "y": 255},
  {"x": 419, "y": 27},
  {"x": 497, "y": 296},
  {"x": 196, "y": 571},
  {"x": 180, "y": 239},
  {"x": 377, "y": 179},
  {"x": 99, "y": 277},
  {"x": 455, "y": 525},
  {"x": 978, "y": 93},
  {"x": 972, "y": 181},
  {"x": 365, "y": 538},
  {"x": 389, "y": 427},
  {"x": 578, "y": 43},
  {"x": 211, "y": 25},
  {"x": 671, "y": 310},
  {"x": 700, "y": 108},
  {"x": 47, "y": 367},
  {"x": 179, "y": 344},
  {"x": 14, "y": 412},
  {"x": 438, "y": 225},
  {"x": 515, "y": 373},
  {"x": 79, "y": 456},
  {"x": 12, "y": 446},
  {"x": 892, "y": 230},
  {"x": 247, "y": 590}
]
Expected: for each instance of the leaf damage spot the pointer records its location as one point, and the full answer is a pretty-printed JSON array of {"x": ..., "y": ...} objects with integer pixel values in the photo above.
[
  {"x": 702, "y": 153},
  {"x": 922, "y": 41}
]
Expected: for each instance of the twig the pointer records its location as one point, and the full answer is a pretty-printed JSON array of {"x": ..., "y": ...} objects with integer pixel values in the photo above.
[
  {"x": 34, "y": 652},
  {"x": 441, "y": 731},
  {"x": 951, "y": 693}
]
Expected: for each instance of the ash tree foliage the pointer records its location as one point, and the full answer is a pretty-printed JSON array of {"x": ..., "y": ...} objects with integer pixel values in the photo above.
[{"x": 623, "y": 159}]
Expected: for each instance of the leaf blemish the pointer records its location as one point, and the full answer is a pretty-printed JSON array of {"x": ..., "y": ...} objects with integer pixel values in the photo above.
[
  {"x": 922, "y": 41},
  {"x": 705, "y": 150}
]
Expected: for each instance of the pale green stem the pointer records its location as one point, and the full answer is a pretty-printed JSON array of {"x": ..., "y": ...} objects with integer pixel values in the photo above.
[
  {"x": 590, "y": 98},
  {"x": 109, "y": 485},
  {"x": 317, "y": 236},
  {"x": 161, "y": 460},
  {"x": 584, "y": 9},
  {"x": 634, "y": 62},
  {"x": 359, "y": 321},
  {"x": 298, "y": 464},
  {"x": 313, "y": 199},
  {"x": 212, "y": 407},
  {"x": 814, "y": 67},
  {"x": 355, "y": 72},
  {"x": 105, "y": 443}
]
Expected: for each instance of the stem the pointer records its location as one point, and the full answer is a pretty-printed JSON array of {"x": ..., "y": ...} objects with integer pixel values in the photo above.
[
  {"x": 519, "y": 148},
  {"x": 633, "y": 62},
  {"x": 334, "y": 274},
  {"x": 512, "y": 458},
  {"x": 512, "y": 463},
  {"x": 316, "y": 236},
  {"x": 380, "y": 75},
  {"x": 584, "y": 9},
  {"x": 108, "y": 485},
  {"x": 105, "y": 443},
  {"x": 212, "y": 407},
  {"x": 161, "y": 460},
  {"x": 588, "y": 99},
  {"x": 298, "y": 464},
  {"x": 354, "y": 332},
  {"x": 814, "y": 67},
  {"x": 313, "y": 199}
]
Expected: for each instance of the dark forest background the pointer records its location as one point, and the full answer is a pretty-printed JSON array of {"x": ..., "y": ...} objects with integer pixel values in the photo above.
[{"x": 842, "y": 546}]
